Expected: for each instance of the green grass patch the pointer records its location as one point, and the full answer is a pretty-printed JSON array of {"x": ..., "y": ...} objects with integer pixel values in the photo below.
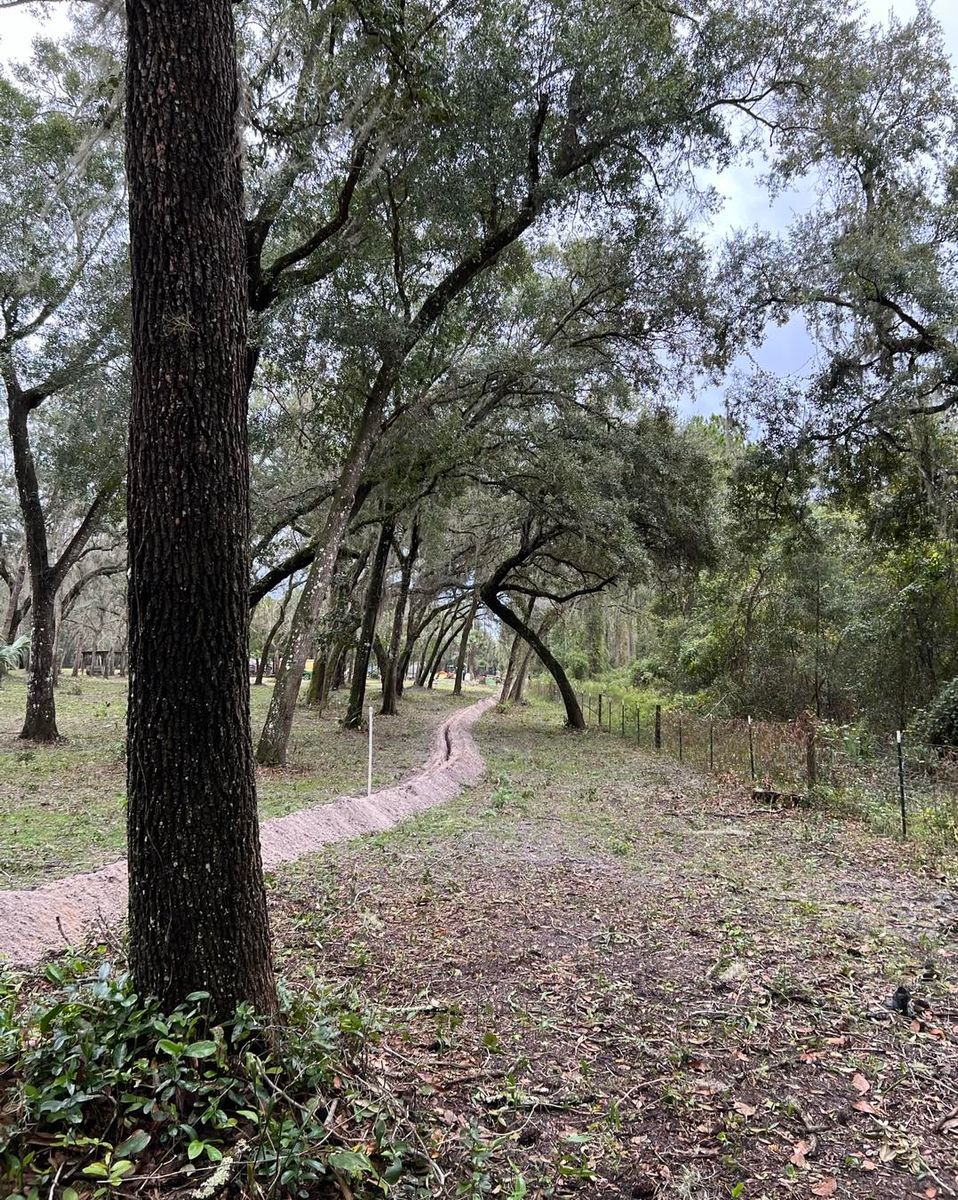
[{"x": 63, "y": 807}]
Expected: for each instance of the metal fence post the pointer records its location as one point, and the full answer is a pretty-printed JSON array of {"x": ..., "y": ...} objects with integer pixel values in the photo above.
[
  {"x": 623, "y": 718},
  {"x": 638, "y": 727},
  {"x": 680, "y": 737},
  {"x": 600, "y": 710},
  {"x": 901, "y": 784},
  {"x": 658, "y": 727}
]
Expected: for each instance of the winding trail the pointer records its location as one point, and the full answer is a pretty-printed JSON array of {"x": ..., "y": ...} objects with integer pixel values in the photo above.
[{"x": 36, "y": 922}]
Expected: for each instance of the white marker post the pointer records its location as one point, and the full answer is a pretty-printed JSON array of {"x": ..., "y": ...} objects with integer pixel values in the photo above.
[{"x": 369, "y": 767}]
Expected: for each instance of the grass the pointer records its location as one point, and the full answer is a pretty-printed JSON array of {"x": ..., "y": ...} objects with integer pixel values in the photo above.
[{"x": 62, "y": 808}]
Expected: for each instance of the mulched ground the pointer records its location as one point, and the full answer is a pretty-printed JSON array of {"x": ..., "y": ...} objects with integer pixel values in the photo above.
[{"x": 601, "y": 975}]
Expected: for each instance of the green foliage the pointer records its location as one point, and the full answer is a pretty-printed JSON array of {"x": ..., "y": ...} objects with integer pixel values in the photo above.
[
  {"x": 13, "y": 655},
  {"x": 99, "y": 1085},
  {"x": 939, "y": 722}
]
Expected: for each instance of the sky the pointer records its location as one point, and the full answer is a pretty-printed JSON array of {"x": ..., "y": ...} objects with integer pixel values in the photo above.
[{"x": 786, "y": 350}]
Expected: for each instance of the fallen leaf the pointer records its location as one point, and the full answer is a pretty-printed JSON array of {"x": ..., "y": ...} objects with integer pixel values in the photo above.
[
  {"x": 865, "y": 1107},
  {"x": 828, "y": 1187},
  {"x": 798, "y": 1154},
  {"x": 747, "y": 1110},
  {"x": 860, "y": 1083}
]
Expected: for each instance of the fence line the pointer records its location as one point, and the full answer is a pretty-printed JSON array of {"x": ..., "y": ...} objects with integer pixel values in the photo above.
[{"x": 789, "y": 762}]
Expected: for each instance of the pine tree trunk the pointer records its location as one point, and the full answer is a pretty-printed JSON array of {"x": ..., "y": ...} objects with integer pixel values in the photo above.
[
  {"x": 374, "y": 593},
  {"x": 197, "y": 902}
]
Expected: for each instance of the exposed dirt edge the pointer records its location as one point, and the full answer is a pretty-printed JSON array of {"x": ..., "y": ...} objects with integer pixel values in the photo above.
[{"x": 35, "y": 922}]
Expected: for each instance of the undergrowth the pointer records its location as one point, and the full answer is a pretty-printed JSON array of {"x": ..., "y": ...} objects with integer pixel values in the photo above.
[{"x": 102, "y": 1095}]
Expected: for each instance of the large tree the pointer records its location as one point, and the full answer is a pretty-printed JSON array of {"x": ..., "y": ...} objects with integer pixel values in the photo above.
[
  {"x": 197, "y": 901},
  {"x": 62, "y": 319}
]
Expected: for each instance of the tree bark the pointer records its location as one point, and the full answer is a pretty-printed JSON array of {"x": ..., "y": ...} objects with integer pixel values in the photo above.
[
  {"x": 273, "y": 631},
  {"x": 514, "y": 654},
  {"x": 40, "y": 720},
  {"x": 12, "y": 616},
  {"x": 422, "y": 670},
  {"x": 392, "y": 676},
  {"x": 519, "y": 683},
  {"x": 197, "y": 901},
  {"x": 46, "y": 577},
  {"x": 317, "y": 682},
  {"x": 374, "y": 595},
  {"x": 490, "y": 597},
  {"x": 271, "y": 749},
  {"x": 441, "y": 653},
  {"x": 464, "y": 644}
]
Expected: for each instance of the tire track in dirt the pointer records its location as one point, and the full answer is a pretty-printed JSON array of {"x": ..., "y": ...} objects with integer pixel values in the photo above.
[{"x": 36, "y": 922}]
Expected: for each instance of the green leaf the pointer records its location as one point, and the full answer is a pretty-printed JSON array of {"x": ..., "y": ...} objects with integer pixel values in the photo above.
[
  {"x": 195, "y": 1149},
  {"x": 200, "y": 1050},
  {"x": 137, "y": 1141},
  {"x": 96, "y": 1171},
  {"x": 350, "y": 1161},
  {"x": 175, "y": 1049}
]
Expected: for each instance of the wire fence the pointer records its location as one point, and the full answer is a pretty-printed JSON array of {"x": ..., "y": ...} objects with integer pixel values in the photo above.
[{"x": 898, "y": 783}]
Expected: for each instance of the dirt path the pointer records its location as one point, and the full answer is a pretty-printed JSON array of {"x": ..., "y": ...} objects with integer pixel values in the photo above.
[{"x": 35, "y": 922}]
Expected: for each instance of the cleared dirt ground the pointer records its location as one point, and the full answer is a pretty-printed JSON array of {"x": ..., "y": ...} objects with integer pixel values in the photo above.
[{"x": 600, "y": 974}]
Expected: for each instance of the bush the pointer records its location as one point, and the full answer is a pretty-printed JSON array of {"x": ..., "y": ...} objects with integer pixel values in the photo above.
[
  {"x": 939, "y": 722},
  {"x": 97, "y": 1087}
]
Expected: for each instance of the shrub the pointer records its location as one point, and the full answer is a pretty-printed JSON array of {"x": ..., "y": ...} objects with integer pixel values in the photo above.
[
  {"x": 939, "y": 722},
  {"x": 99, "y": 1089}
]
